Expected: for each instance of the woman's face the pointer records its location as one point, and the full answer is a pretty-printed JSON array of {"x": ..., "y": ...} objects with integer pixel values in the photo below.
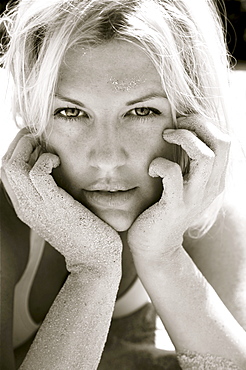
[{"x": 110, "y": 111}]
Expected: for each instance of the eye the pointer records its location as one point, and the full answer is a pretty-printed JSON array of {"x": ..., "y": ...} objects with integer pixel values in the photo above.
[
  {"x": 69, "y": 113},
  {"x": 144, "y": 112}
]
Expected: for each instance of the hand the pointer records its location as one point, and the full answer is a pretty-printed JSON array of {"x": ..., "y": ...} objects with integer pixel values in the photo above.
[
  {"x": 67, "y": 225},
  {"x": 160, "y": 228}
]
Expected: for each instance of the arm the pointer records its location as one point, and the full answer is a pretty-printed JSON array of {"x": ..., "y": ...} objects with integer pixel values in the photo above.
[
  {"x": 197, "y": 320},
  {"x": 75, "y": 329},
  {"x": 220, "y": 255},
  {"x": 193, "y": 314}
]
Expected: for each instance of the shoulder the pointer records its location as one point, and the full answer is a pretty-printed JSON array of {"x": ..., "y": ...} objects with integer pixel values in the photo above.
[
  {"x": 14, "y": 240},
  {"x": 226, "y": 240},
  {"x": 229, "y": 230},
  {"x": 14, "y": 254}
]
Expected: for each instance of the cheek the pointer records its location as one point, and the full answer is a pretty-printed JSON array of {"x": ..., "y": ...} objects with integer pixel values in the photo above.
[
  {"x": 142, "y": 146},
  {"x": 150, "y": 146},
  {"x": 71, "y": 162}
]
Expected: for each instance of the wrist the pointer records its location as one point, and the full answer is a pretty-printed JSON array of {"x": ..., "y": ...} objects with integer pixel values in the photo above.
[
  {"x": 154, "y": 268},
  {"x": 109, "y": 269},
  {"x": 154, "y": 248},
  {"x": 159, "y": 259}
]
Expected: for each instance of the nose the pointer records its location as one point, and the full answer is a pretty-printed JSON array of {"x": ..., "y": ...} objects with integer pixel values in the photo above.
[{"x": 108, "y": 151}]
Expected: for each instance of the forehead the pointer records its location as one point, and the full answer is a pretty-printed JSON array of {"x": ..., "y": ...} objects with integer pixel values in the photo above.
[{"x": 117, "y": 65}]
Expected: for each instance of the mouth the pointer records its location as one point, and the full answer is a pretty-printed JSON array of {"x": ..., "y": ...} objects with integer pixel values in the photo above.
[{"x": 109, "y": 198}]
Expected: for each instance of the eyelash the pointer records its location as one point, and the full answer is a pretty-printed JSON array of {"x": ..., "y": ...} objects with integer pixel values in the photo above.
[
  {"x": 152, "y": 112},
  {"x": 57, "y": 114}
]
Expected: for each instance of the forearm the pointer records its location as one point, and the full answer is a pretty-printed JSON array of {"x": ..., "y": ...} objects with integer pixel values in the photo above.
[
  {"x": 193, "y": 314},
  {"x": 74, "y": 331}
]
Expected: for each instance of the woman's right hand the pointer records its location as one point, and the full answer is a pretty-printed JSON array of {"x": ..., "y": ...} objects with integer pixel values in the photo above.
[{"x": 80, "y": 236}]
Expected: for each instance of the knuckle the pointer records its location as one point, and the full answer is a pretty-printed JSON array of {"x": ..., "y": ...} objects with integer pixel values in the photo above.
[
  {"x": 9, "y": 166},
  {"x": 224, "y": 141},
  {"x": 185, "y": 134},
  {"x": 210, "y": 155},
  {"x": 174, "y": 168},
  {"x": 18, "y": 166},
  {"x": 207, "y": 155},
  {"x": 206, "y": 162}
]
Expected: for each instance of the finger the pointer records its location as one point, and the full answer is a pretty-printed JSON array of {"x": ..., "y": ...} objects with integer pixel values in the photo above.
[
  {"x": 40, "y": 175},
  {"x": 193, "y": 146},
  {"x": 205, "y": 130},
  {"x": 16, "y": 168},
  {"x": 218, "y": 141},
  {"x": 202, "y": 157},
  {"x": 172, "y": 179},
  {"x": 13, "y": 144},
  {"x": 15, "y": 174},
  {"x": 23, "y": 151}
]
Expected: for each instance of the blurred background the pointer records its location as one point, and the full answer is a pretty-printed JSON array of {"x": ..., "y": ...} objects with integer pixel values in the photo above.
[{"x": 235, "y": 11}]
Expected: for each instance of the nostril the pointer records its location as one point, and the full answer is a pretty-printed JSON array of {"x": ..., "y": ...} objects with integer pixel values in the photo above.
[{"x": 108, "y": 156}]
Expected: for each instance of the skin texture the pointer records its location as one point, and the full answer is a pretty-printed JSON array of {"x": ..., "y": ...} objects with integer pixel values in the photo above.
[
  {"x": 115, "y": 147},
  {"x": 94, "y": 262},
  {"x": 40, "y": 203},
  {"x": 106, "y": 149},
  {"x": 194, "y": 361},
  {"x": 109, "y": 146},
  {"x": 180, "y": 208}
]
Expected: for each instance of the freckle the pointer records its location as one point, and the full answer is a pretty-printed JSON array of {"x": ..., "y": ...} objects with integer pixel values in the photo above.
[{"x": 124, "y": 85}]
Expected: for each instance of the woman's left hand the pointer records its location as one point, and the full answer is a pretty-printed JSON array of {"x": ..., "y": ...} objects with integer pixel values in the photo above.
[{"x": 160, "y": 228}]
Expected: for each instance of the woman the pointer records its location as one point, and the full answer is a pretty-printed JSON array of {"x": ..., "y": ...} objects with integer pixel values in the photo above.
[{"x": 122, "y": 160}]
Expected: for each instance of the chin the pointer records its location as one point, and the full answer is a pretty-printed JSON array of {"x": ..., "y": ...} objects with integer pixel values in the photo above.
[{"x": 117, "y": 220}]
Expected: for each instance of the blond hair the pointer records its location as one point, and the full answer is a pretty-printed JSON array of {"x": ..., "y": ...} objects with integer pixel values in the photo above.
[{"x": 183, "y": 38}]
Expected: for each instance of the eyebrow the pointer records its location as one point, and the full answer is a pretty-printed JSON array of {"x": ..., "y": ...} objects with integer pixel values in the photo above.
[
  {"x": 132, "y": 102},
  {"x": 65, "y": 98},
  {"x": 147, "y": 97}
]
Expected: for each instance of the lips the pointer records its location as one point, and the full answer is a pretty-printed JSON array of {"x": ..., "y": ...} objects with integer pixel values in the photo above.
[
  {"x": 109, "y": 198},
  {"x": 109, "y": 186}
]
